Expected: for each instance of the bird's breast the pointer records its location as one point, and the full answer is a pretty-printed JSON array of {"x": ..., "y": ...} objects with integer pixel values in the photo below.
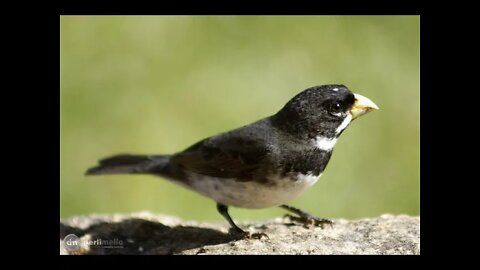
[{"x": 276, "y": 191}]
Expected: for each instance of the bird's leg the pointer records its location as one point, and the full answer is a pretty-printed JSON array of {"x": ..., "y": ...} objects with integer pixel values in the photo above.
[
  {"x": 306, "y": 218},
  {"x": 223, "y": 210}
]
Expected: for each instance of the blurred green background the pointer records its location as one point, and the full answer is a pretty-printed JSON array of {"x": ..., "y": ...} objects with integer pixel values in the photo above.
[{"x": 157, "y": 84}]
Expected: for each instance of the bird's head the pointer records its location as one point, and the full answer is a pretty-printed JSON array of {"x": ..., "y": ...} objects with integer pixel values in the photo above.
[{"x": 324, "y": 111}]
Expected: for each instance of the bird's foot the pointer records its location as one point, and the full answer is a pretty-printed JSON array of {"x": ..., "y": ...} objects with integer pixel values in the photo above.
[
  {"x": 308, "y": 221},
  {"x": 241, "y": 234},
  {"x": 259, "y": 235}
]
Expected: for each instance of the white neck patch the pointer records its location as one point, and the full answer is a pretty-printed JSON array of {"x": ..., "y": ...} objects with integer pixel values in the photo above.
[
  {"x": 327, "y": 144},
  {"x": 324, "y": 143},
  {"x": 344, "y": 124}
]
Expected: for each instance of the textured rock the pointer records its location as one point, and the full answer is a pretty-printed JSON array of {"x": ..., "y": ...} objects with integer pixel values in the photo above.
[{"x": 146, "y": 233}]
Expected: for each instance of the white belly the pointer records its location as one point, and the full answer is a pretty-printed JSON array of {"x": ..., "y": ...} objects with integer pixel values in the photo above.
[{"x": 251, "y": 194}]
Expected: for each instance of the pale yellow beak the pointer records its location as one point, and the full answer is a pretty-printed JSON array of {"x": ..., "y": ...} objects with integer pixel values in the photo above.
[{"x": 362, "y": 106}]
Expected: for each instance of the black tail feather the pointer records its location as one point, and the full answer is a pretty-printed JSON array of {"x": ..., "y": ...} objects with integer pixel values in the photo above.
[{"x": 126, "y": 164}]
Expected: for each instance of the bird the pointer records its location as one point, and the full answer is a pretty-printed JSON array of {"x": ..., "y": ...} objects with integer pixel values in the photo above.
[{"x": 264, "y": 164}]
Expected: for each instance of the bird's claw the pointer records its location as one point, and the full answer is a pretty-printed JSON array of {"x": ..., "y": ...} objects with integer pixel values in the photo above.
[
  {"x": 259, "y": 235},
  {"x": 241, "y": 234},
  {"x": 308, "y": 221}
]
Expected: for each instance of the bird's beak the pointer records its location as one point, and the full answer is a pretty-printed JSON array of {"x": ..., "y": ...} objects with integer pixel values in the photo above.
[{"x": 362, "y": 106}]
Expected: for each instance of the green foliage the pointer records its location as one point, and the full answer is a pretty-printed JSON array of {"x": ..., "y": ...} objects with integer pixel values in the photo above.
[{"x": 157, "y": 84}]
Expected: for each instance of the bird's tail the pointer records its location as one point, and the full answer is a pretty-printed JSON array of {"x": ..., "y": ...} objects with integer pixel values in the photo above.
[{"x": 130, "y": 164}]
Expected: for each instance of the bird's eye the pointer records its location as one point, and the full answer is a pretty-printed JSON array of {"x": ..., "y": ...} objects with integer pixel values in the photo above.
[{"x": 335, "y": 108}]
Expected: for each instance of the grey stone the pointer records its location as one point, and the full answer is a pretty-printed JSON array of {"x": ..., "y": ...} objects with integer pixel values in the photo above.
[{"x": 146, "y": 233}]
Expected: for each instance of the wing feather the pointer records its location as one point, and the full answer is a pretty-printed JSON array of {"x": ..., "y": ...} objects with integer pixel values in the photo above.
[{"x": 225, "y": 157}]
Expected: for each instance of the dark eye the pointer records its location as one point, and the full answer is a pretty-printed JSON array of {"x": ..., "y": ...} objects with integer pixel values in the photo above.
[{"x": 335, "y": 108}]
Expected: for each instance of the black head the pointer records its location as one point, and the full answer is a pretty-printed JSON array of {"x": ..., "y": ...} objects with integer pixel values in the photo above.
[{"x": 316, "y": 111}]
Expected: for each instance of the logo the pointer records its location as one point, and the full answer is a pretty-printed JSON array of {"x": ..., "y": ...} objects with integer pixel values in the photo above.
[{"x": 71, "y": 242}]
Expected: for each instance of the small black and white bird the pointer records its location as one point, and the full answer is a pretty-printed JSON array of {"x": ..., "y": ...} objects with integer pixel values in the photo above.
[{"x": 264, "y": 164}]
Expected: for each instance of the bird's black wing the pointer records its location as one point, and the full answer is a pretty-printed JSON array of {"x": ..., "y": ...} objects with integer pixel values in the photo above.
[{"x": 232, "y": 156}]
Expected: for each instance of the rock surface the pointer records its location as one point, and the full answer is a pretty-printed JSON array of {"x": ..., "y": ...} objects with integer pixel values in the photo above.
[{"x": 146, "y": 233}]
